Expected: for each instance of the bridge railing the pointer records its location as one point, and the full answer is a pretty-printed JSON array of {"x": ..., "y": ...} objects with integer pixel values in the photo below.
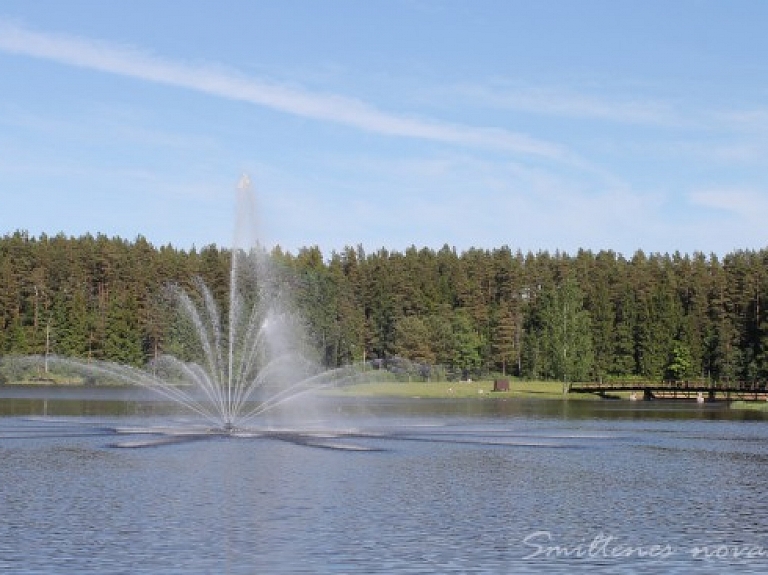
[{"x": 741, "y": 386}]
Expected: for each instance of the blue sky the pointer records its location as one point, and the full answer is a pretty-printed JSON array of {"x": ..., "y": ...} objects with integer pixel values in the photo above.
[{"x": 538, "y": 125}]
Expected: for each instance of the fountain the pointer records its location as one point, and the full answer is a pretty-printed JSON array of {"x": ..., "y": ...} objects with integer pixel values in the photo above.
[
  {"x": 246, "y": 367},
  {"x": 234, "y": 372}
]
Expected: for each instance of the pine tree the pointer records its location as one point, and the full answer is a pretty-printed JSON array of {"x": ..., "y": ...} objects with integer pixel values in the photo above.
[{"x": 505, "y": 342}]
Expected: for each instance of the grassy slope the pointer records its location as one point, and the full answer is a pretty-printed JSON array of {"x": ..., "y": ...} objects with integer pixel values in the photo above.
[
  {"x": 447, "y": 389},
  {"x": 755, "y": 405}
]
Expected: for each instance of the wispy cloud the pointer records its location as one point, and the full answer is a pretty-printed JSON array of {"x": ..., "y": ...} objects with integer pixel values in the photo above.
[
  {"x": 568, "y": 103},
  {"x": 746, "y": 204},
  {"x": 754, "y": 119},
  {"x": 130, "y": 62}
]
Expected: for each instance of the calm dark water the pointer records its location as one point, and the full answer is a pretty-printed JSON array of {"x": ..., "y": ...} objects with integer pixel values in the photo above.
[{"x": 481, "y": 486}]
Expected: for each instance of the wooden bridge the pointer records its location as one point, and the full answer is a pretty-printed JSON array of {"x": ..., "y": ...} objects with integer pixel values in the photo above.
[{"x": 694, "y": 390}]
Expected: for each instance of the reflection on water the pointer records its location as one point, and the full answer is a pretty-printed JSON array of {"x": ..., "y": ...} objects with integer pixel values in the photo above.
[
  {"x": 130, "y": 401},
  {"x": 482, "y": 486}
]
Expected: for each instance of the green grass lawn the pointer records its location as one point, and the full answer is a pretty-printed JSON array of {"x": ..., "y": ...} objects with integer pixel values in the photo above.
[
  {"x": 457, "y": 389},
  {"x": 754, "y": 405}
]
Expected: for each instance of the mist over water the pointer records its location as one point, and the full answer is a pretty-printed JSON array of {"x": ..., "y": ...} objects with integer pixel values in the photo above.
[{"x": 241, "y": 365}]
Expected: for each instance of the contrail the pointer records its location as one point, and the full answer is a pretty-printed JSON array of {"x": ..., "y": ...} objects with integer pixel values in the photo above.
[{"x": 135, "y": 63}]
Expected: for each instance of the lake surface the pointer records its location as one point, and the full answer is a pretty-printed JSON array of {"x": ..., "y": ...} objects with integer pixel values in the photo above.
[{"x": 476, "y": 486}]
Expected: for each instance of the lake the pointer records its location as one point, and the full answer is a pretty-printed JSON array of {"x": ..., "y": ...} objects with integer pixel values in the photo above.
[{"x": 423, "y": 486}]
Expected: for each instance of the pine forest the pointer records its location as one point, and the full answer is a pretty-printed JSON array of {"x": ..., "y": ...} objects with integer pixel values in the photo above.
[{"x": 444, "y": 314}]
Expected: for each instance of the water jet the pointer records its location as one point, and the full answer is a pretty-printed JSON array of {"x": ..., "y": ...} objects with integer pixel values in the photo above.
[{"x": 238, "y": 369}]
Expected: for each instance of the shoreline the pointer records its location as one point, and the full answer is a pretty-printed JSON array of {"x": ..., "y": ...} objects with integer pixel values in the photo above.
[{"x": 481, "y": 390}]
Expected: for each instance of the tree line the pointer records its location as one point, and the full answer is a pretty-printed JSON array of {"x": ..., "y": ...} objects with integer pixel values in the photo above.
[{"x": 479, "y": 312}]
